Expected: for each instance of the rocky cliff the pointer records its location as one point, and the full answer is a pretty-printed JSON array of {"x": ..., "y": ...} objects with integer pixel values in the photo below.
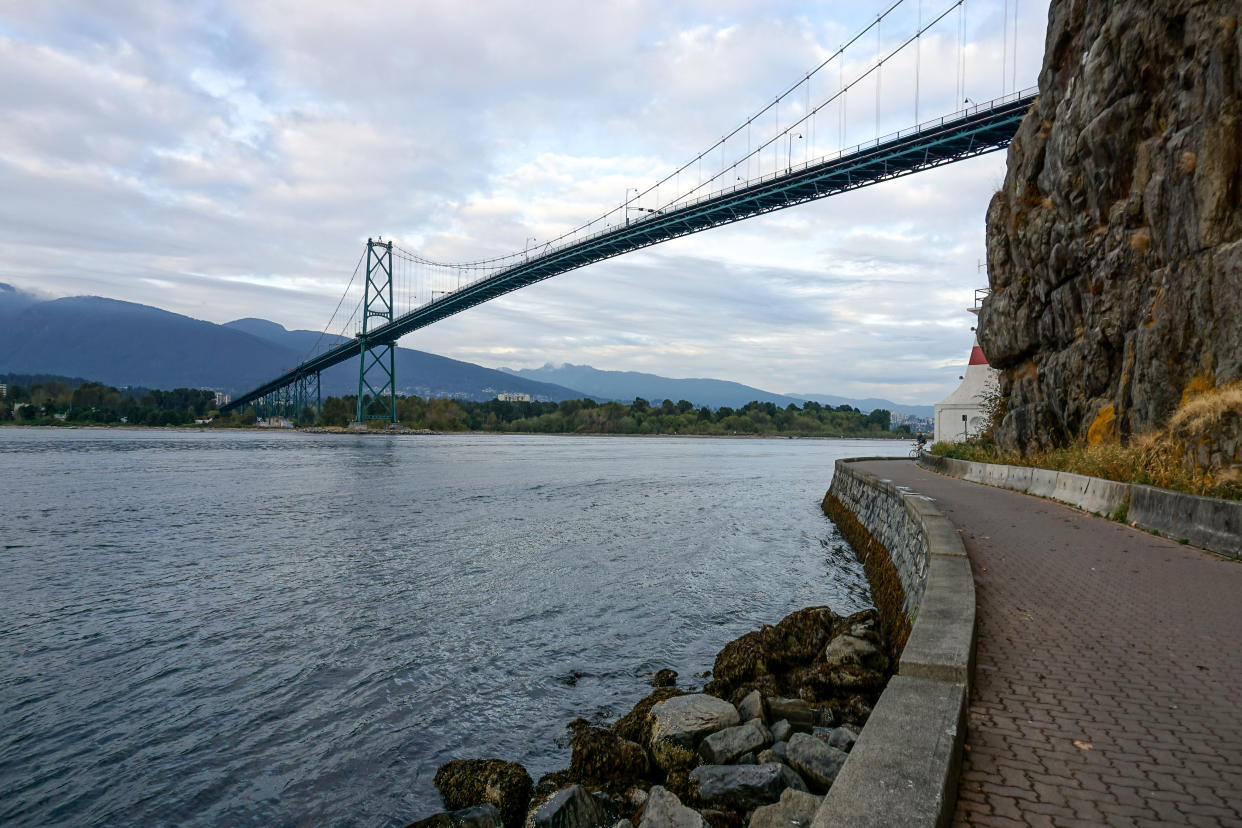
[{"x": 1115, "y": 246}]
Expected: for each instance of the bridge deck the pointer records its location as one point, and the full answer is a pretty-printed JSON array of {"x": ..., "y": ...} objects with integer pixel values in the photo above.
[
  {"x": 981, "y": 129},
  {"x": 1106, "y": 683}
]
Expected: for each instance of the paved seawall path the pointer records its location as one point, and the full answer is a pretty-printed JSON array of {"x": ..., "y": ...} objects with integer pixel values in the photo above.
[{"x": 1108, "y": 685}]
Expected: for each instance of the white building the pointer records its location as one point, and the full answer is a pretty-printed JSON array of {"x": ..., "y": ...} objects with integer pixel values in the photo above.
[
  {"x": 513, "y": 397},
  {"x": 961, "y": 415}
]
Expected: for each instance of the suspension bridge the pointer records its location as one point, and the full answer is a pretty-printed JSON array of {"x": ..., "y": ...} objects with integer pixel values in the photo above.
[{"x": 761, "y": 179}]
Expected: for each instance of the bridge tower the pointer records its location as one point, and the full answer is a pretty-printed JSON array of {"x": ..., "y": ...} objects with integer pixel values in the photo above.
[{"x": 377, "y": 369}]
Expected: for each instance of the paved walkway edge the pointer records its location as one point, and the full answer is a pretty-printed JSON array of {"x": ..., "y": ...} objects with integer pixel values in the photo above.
[
  {"x": 1207, "y": 522},
  {"x": 903, "y": 771}
]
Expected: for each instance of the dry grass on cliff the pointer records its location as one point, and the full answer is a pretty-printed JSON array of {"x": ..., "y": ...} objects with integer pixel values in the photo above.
[{"x": 1179, "y": 457}]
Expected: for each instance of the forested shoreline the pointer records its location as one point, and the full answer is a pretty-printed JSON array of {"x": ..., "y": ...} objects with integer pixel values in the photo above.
[{"x": 57, "y": 402}]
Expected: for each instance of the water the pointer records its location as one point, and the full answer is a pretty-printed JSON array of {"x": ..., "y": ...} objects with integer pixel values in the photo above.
[{"x": 282, "y": 629}]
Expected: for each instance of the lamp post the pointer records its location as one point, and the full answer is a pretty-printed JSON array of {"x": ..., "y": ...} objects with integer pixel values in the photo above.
[
  {"x": 789, "y": 153},
  {"x": 529, "y": 239},
  {"x": 626, "y": 210}
]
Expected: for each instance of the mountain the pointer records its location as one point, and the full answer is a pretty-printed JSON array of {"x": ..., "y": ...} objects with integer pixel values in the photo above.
[
  {"x": 126, "y": 344},
  {"x": 626, "y": 385},
  {"x": 121, "y": 343}
]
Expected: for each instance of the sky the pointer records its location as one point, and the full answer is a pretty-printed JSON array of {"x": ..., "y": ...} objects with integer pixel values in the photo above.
[{"x": 230, "y": 159}]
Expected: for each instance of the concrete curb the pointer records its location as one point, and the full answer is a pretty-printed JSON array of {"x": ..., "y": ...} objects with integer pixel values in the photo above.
[
  {"x": 905, "y": 766},
  {"x": 1207, "y": 522}
]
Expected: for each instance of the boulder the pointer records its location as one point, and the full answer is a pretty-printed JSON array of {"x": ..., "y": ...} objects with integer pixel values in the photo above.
[
  {"x": 635, "y": 725},
  {"x": 680, "y": 723},
  {"x": 737, "y": 787},
  {"x": 480, "y": 816},
  {"x": 746, "y": 759},
  {"x": 782, "y": 730},
  {"x": 601, "y": 757},
  {"x": 464, "y": 783},
  {"x": 792, "y": 779},
  {"x": 725, "y": 746},
  {"x": 767, "y": 652},
  {"x": 851, "y": 651},
  {"x": 664, "y": 678},
  {"x": 837, "y": 737},
  {"x": 573, "y": 807},
  {"x": 752, "y": 707},
  {"x": 664, "y": 810},
  {"x": 769, "y": 756},
  {"x": 798, "y": 713},
  {"x": 796, "y": 809},
  {"x": 818, "y": 763}
]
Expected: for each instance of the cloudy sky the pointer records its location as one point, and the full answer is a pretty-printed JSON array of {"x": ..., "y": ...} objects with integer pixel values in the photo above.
[{"x": 229, "y": 159}]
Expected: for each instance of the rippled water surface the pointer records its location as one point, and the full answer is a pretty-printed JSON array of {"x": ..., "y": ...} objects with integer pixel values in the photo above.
[{"x": 280, "y": 629}]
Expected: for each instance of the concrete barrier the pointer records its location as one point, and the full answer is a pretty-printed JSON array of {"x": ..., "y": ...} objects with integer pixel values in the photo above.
[
  {"x": 1204, "y": 521},
  {"x": 1207, "y": 522},
  {"x": 905, "y": 766}
]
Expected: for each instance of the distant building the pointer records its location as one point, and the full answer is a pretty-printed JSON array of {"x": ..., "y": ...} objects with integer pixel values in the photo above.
[
  {"x": 4, "y": 390},
  {"x": 511, "y": 397},
  {"x": 274, "y": 422},
  {"x": 222, "y": 398},
  {"x": 961, "y": 415}
]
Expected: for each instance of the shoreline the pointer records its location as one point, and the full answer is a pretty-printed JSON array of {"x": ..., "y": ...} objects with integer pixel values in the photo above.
[{"x": 431, "y": 433}]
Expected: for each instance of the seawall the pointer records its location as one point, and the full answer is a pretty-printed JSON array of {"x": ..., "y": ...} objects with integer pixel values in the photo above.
[{"x": 904, "y": 768}]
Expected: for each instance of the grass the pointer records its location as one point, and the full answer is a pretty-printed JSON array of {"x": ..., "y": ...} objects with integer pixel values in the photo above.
[{"x": 1171, "y": 458}]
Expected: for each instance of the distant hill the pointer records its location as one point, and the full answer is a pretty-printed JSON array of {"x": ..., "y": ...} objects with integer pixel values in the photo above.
[
  {"x": 626, "y": 385},
  {"x": 126, "y": 344}
]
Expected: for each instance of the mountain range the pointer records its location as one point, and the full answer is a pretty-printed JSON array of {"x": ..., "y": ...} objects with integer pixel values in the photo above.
[{"x": 127, "y": 344}]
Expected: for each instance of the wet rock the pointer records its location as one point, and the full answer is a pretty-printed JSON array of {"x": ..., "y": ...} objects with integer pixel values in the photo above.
[
  {"x": 737, "y": 787},
  {"x": 725, "y": 746},
  {"x": 752, "y": 707},
  {"x": 777, "y": 752},
  {"x": 769, "y": 651},
  {"x": 796, "y": 809},
  {"x": 664, "y": 810},
  {"x": 664, "y": 678},
  {"x": 796, "y": 712},
  {"x": 792, "y": 778},
  {"x": 782, "y": 730},
  {"x": 601, "y": 757},
  {"x": 746, "y": 759},
  {"x": 818, "y": 763},
  {"x": 679, "y": 724},
  {"x": 464, "y": 783},
  {"x": 635, "y": 725},
  {"x": 573, "y": 807},
  {"x": 480, "y": 816}
]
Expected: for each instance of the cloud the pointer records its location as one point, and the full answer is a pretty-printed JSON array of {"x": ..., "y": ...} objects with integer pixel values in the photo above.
[{"x": 229, "y": 159}]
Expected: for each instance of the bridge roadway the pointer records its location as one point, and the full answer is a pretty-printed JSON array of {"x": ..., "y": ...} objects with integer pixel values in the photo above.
[
  {"x": 983, "y": 128},
  {"x": 1106, "y": 690}
]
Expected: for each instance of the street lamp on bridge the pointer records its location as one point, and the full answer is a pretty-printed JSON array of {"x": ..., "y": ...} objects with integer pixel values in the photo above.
[{"x": 789, "y": 153}]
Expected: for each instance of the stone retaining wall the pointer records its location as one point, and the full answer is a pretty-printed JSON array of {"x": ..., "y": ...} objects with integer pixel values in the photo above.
[
  {"x": 904, "y": 768},
  {"x": 1207, "y": 522}
]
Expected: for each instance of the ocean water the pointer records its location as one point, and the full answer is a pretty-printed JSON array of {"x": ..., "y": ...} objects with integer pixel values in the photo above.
[{"x": 213, "y": 628}]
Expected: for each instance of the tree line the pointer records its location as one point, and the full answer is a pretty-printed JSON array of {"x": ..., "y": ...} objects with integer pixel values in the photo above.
[
  {"x": 639, "y": 417},
  {"x": 55, "y": 402}
]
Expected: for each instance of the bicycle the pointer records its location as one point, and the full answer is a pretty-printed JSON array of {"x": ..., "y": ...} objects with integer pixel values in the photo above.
[{"x": 915, "y": 450}]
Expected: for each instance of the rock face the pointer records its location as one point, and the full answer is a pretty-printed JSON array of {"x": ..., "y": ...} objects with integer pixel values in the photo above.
[
  {"x": 465, "y": 783},
  {"x": 1115, "y": 245}
]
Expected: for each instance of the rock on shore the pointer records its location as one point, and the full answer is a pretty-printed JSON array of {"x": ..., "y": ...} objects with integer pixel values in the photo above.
[{"x": 756, "y": 742}]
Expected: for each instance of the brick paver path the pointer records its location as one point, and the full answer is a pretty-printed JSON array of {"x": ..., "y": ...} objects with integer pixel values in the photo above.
[{"x": 1108, "y": 685}]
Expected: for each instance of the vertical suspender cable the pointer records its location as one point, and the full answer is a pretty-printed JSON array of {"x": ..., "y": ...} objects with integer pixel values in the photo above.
[{"x": 918, "y": 60}]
